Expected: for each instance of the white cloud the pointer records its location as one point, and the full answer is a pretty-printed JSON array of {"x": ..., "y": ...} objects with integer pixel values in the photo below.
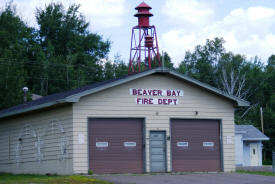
[
  {"x": 246, "y": 31},
  {"x": 100, "y": 13},
  {"x": 103, "y": 13},
  {"x": 187, "y": 11},
  {"x": 26, "y": 9}
]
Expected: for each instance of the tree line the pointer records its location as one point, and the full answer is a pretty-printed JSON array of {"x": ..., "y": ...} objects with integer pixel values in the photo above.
[
  {"x": 234, "y": 74},
  {"x": 63, "y": 54},
  {"x": 60, "y": 54}
]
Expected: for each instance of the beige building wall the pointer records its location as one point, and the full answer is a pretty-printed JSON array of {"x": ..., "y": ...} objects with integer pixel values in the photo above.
[
  {"x": 117, "y": 102},
  {"x": 37, "y": 142}
]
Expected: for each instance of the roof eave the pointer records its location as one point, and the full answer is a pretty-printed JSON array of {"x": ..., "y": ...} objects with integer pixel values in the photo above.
[
  {"x": 255, "y": 139},
  {"x": 76, "y": 97},
  {"x": 240, "y": 132},
  {"x": 239, "y": 102},
  {"x": 242, "y": 103},
  {"x": 20, "y": 111}
]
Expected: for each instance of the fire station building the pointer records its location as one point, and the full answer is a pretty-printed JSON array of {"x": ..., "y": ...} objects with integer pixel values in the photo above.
[{"x": 153, "y": 121}]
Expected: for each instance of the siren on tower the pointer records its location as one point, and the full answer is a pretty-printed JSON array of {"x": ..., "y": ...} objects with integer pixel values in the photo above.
[{"x": 144, "y": 43}]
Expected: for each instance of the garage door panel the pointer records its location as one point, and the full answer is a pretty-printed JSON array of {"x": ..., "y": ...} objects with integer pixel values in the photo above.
[
  {"x": 123, "y": 166},
  {"x": 193, "y": 165},
  {"x": 120, "y": 145},
  {"x": 189, "y": 153}
]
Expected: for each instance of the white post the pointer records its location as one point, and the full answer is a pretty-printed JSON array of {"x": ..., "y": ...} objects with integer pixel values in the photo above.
[
  {"x": 262, "y": 120},
  {"x": 162, "y": 60}
]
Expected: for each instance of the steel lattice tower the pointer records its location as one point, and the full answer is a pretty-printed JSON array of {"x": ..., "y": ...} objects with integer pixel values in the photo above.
[{"x": 144, "y": 43}]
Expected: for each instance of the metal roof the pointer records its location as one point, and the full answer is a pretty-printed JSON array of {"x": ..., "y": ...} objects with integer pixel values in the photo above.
[
  {"x": 143, "y": 5},
  {"x": 250, "y": 133},
  {"x": 148, "y": 14},
  {"x": 75, "y": 94}
]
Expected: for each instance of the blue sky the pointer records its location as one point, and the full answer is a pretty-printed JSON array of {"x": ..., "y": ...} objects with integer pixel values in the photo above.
[{"x": 248, "y": 26}]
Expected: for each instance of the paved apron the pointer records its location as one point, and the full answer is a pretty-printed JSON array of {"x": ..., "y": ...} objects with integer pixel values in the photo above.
[{"x": 220, "y": 178}]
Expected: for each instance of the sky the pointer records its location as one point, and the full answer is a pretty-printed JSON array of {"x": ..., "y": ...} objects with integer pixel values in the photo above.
[{"x": 247, "y": 26}]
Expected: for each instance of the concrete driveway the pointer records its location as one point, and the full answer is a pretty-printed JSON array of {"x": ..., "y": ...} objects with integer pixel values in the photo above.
[{"x": 215, "y": 178}]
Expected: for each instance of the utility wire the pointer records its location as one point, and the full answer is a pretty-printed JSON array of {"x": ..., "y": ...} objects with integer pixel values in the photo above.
[
  {"x": 50, "y": 79},
  {"x": 62, "y": 66}
]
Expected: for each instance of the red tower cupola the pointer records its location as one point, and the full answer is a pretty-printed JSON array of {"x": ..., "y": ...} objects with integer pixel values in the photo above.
[
  {"x": 143, "y": 14},
  {"x": 144, "y": 42}
]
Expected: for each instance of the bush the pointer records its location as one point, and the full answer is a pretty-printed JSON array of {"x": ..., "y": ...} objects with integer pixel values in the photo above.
[
  {"x": 90, "y": 172},
  {"x": 267, "y": 162}
]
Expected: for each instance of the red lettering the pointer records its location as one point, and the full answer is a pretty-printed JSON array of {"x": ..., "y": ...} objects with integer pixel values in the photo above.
[
  {"x": 178, "y": 92},
  {"x": 175, "y": 101},
  {"x": 159, "y": 93},
  {"x": 151, "y": 101},
  {"x": 169, "y": 101},
  {"x": 144, "y": 92},
  {"x": 139, "y": 92},
  {"x": 168, "y": 93},
  {"x": 138, "y": 100},
  {"x": 145, "y": 101},
  {"x": 149, "y": 92},
  {"x": 159, "y": 101},
  {"x": 164, "y": 101},
  {"x": 174, "y": 93},
  {"x": 155, "y": 92},
  {"x": 134, "y": 92}
]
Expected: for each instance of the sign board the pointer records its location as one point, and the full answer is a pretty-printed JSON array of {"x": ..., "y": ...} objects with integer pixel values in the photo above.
[
  {"x": 81, "y": 139},
  {"x": 155, "y": 101},
  {"x": 182, "y": 144},
  {"x": 229, "y": 140},
  {"x": 156, "y": 92},
  {"x": 102, "y": 144},
  {"x": 208, "y": 144},
  {"x": 130, "y": 144},
  {"x": 164, "y": 96}
]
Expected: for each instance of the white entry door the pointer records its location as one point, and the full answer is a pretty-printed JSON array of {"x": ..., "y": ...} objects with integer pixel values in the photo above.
[{"x": 254, "y": 154}]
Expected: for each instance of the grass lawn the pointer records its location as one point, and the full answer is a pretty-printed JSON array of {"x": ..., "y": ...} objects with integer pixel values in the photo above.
[
  {"x": 43, "y": 179},
  {"x": 256, "y": 172}
]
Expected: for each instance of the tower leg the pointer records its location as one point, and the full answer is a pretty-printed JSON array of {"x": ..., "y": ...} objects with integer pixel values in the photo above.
[
  {"x": 149, "y": 59},
  {"x": 157, "y": 46},
  {"x": 139, "y": 46},
  {"x": 141, "y": 52},
  {"x": 131, "y": 68}
]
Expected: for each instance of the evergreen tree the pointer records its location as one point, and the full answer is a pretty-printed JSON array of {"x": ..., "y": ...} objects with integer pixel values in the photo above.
[
  {"x": 14, "y": 36},
  {"x": 72, "y": 52}
]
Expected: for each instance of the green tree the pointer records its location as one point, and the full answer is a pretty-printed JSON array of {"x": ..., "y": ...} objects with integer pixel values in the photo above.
[
  {"x": 231, "y": 76},
  {"x": 164, "y": 59},
  {"x": 121, "y": 69},
  {"x": 72, "y": 52},
  {"x": 167, "y": 60},
  {"x": 269, "y": 105},
  {"x": 235, "y": 75},
  {"x": 14, "y": 36},
  {"x": 201, "y": 63},
  {"x": 61, "y": 54},
  {"x": 115, "y": 69}
]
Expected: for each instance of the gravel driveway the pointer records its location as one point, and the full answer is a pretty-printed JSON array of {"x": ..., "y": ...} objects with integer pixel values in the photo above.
[{"x": 215, "y": 178}]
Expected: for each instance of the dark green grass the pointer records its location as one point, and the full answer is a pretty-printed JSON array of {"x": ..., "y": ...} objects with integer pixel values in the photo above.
[
  {"x": 43, "y": 179},
  {"x": 264, "y": 173}
]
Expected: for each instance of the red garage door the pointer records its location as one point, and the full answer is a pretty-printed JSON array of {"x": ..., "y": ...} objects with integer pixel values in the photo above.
[
  {"x": 116, "y": 145},
  {"x": 195, "y": 145}
]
